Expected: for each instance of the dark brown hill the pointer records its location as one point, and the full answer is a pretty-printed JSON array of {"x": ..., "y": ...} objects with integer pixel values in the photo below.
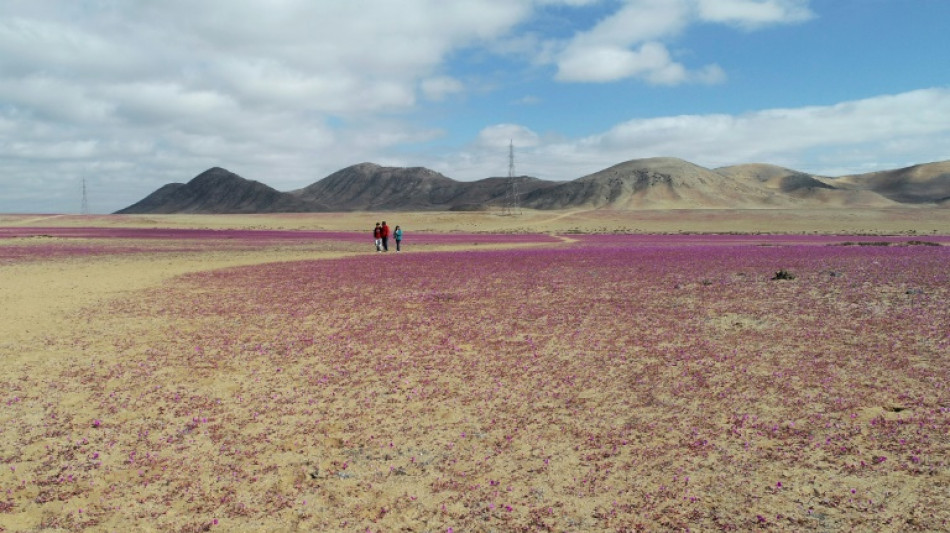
[
  {"x": 217, "y": 190},
  {"x": 493, "y": 192},
  {"x": 369, "y": 187}
]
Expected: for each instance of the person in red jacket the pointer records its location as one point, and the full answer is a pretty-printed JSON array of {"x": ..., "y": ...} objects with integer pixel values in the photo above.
[
  {"x": 384, "y": 233},
  {"x": 378, "y": 237}
]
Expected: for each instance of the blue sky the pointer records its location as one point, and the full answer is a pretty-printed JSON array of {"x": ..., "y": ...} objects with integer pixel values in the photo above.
[{"x": 133, "y": 95}]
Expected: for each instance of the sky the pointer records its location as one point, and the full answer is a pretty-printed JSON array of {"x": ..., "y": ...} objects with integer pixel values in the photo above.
[{"x": 124, "y": 96}]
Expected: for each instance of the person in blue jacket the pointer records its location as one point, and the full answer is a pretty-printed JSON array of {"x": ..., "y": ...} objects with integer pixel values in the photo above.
[{"x": 397, "y": 234}]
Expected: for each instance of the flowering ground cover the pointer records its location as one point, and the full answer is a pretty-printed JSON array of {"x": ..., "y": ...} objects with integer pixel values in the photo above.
[
  {"x": 608, "y": 384},
  {"x": 23, "y": 244},
  {"x": 258, "y": 236},
  {"x": 693, "y": 239},
  {"x": 18, "y": 244}
]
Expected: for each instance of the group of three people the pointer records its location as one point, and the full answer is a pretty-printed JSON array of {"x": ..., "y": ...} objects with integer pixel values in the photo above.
[{"x": 381, "y": 237}]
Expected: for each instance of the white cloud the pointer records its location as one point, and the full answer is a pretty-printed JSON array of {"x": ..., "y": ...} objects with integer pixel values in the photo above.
[
  {"x": 28, "y": 45},
  {"x": 629, "y": 43},
  {"x": 339, "y": 57},
  {"x": 652, "y": 62},
  {"x": 439, "y": 87},
  {"x": 165, "y": 101},
  {"x": 610, "y": 63},
  {"x": 283, "y": 92},
  {"x": 46, "y": 150},
  {"x": 372, "y": 36},
  {"x": 501, "y": 135},
  {"x": 133, "y": 95},
  {"x": 573, "y": 3},
  {"x": 636, "y": 22},
  {"x": 856, "y": 136},
  {"x": 754, "y": 13},
  {"x": 787, "y": 134},
  {"x": 710, "y": 75},
  {"x": 53, "y": 98}
]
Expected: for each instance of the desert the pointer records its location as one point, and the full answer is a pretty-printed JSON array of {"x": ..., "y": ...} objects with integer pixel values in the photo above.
[
  {"x": 664, "y": 265},
  {"x": 577, "y": 370}
]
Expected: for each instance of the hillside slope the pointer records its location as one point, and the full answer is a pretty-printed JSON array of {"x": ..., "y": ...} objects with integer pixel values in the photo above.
[
  {"x": 927, "y": 183},
  {"x": 655, "y": 183},
  {"x": 217, "y": 190},
  {"x": 808, "y": 187}
]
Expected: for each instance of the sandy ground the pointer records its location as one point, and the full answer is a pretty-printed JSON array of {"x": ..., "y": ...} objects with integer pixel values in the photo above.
[
  {"x": 899, "y": 221},
  {"x": 39, "y": 300},
  {"x": 36, "y": 302},
  {"x": 43, "y": 302}
]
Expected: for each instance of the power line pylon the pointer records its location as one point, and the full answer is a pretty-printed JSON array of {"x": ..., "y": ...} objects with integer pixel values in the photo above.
[
  {"x": 84, "y": 209},
  {"x": 510, "y": 206}
]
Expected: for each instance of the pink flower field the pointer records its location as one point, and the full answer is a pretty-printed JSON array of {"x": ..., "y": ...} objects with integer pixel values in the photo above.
[
  {"x": 609, "y": 383},
  {"x": 19, "y": 244}
]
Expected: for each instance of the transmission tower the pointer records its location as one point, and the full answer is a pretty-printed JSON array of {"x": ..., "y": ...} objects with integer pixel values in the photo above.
[
  {"x": 510, "y": 206},
  {"x": 84, "y": 209}
]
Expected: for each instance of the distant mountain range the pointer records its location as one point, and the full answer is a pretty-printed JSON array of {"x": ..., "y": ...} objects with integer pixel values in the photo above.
[{"x": 656, "y": 183}]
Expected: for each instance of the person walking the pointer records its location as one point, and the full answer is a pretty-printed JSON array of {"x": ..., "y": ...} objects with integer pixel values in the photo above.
[
  {"x": 397, "y": 234},
  {"x": 384, "y": 233},
  {"x": 378, "y": 237}
]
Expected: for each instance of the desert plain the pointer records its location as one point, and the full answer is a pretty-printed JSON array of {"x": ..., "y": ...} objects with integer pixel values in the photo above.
[{"x": 703, "y": 370}]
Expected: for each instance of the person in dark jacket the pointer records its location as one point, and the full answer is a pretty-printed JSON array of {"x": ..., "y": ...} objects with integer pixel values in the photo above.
[
  {"x": 378, "y": 237},
  {"x": 384, "y": 234}
]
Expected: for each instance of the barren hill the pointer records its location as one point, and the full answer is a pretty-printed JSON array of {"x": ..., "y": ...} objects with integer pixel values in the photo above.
[
  {"x": 927, "y": 183},
  {"x": 808, "y": 187},
  {"x": 774, "y": 177},
  {"x": 367, "y": 186},
  {"x": 217, "y": 190},
  {"x": 656, "y": 183}
]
